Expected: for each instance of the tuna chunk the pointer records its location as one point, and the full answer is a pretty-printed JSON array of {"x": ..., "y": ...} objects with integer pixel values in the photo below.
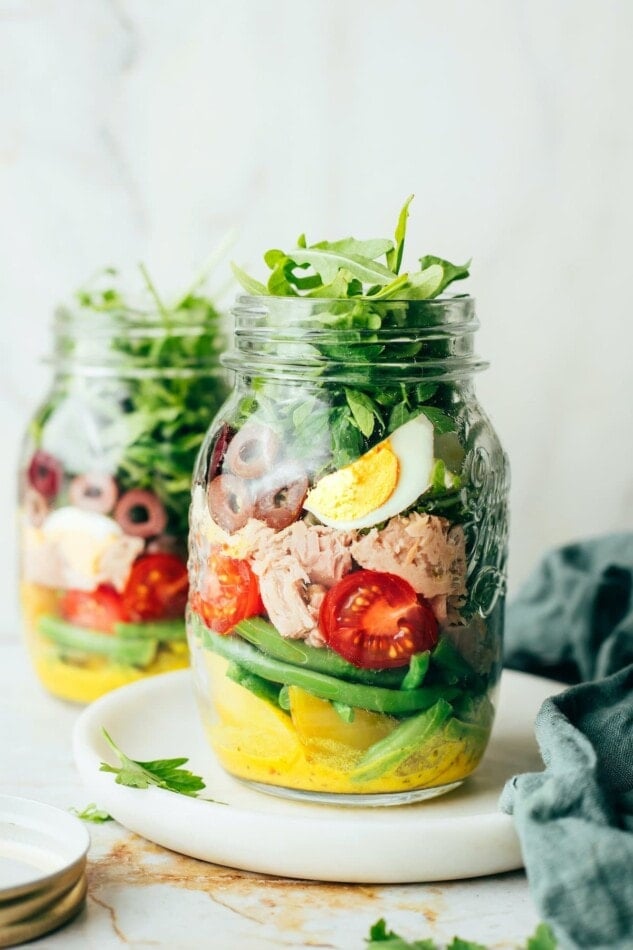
[
  {"x": 423, "y": 549},
  {"x": 284, "y": 591},
  {"x": 295, "y": 567}
]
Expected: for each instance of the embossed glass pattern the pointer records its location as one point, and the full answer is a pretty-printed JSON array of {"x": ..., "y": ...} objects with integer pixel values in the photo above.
[{"x": 348, "y": 537}]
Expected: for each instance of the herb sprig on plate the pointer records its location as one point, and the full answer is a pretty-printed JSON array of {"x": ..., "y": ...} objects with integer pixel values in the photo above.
[
  {"x": 382, "y": 939},
  {"x": 163, "y": 773}
]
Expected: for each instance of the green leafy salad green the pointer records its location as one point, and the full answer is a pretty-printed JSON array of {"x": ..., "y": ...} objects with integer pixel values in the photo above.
[
  {"x": 377, "y": 316},
  {"x": 382, "y": 939},
  {"x": 352, "y": 268},
  {"x": 156, "y": 419}
]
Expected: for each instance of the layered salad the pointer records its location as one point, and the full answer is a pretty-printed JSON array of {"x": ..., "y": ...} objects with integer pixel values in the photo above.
[
  {"x": 339, "y": 644},
  {"x": 104, "y": 493}
]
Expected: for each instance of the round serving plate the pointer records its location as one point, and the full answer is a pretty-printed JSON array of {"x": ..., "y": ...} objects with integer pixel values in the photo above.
[{"x": 459, "y": 835}]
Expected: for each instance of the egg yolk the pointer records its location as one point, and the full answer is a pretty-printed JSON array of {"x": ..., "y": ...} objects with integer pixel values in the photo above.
[{"x": 358, "y": 488}]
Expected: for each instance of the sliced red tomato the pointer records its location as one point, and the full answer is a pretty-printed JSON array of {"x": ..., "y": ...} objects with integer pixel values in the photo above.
[
  {"x": 97, "y": 609},
  {"x": 376, "y": 620},
  {"x": 230, "y": 593},
  {"x": 157, "y": 588}
]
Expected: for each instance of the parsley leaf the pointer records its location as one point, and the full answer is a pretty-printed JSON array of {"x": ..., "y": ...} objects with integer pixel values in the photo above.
[
  {"x": 163, "y": 773},
  {"x": 543, "y": 939},
  {"x": 92, "y": 813},
  {"x": 382, "y": 939}
]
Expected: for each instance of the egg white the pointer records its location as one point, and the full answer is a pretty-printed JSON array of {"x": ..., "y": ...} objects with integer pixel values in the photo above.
[{"x": 412, "y": 443}]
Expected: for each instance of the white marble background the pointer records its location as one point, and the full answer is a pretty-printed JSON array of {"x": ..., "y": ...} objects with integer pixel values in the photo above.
[{"x": 137, "y": 129}]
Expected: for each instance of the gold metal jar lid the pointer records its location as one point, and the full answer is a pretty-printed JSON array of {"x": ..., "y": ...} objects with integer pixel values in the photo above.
[{"x": 42, "y": 869}]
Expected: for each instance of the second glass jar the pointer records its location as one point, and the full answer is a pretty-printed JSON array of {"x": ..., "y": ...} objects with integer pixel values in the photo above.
[
  {"x": 347, "y": 552},
  {"x": 104, "y": 489}
]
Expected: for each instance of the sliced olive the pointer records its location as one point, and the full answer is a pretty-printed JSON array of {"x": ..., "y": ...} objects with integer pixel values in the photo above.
[
  {"x": 140, "y": 513},
  {"x": 252, "y": 451},
  {"x": 216, "y": 457},
  {"x": 281, "y": 498},
  {"x": 229, "y": 501},
  {"x": 45, "y": 474},
  {"x": 94, "y": 491}
]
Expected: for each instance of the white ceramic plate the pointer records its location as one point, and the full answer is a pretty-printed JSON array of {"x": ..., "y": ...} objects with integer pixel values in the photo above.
[{"x": 459, "y": 835}]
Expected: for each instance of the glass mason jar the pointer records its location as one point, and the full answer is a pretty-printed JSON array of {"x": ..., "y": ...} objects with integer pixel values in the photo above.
[
  {"x": 348, "y": 537},
  {"x": 104, "y": 489}
]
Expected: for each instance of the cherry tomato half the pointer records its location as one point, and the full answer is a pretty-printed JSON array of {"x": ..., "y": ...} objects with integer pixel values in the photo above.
[
  {"x": 97, "y": 609},
  {"x": 230, "y": 593},
  {"x": 156, "y": 588},
  {"x": 376, "y": 620}
]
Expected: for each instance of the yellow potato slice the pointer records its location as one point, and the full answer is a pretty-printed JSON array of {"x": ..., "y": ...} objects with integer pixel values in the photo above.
[{"x": 316, "y": 721}]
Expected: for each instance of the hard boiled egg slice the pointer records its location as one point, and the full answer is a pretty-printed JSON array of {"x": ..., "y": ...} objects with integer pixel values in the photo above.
[
  {"x": 82, "y": 536},
  {"x": 380, "y": 484}
]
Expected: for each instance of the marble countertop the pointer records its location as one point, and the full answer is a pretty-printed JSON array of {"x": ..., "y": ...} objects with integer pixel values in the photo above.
[{"x": 143, "y": 896}]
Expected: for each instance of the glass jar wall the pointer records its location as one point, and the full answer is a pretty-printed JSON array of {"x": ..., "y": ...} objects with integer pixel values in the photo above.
[
  {"x": 104, "y": 488},
  {"x": 347, "y": 552}
]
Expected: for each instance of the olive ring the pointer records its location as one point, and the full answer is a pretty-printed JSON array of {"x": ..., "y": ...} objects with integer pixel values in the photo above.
[
  {"x": 282, "y": 498},
  {"x": 252, "y": 451},
  {"x": 140, "y": 513},
  {"x": 94, "y": 491},
  {"x": 229, "y": 501}
]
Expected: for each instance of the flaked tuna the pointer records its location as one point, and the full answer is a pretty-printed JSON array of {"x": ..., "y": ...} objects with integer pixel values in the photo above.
[
  {"x": 425, "y": 550},
  {"x": 295, "y": 567}
]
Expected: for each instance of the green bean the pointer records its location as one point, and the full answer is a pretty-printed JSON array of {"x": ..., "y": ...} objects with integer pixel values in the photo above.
[
  {"x": 162, "y": 630},
  {"x": 264, "y": 636},
  {"x": 418, "y": 668},
  {"x": 390, "y": 752},
  {"x": 254, "y": 684},
  {"x": 449, "y": 664},
  {"x": 125, "y": 652},
  {"x": 391, "y": 701}
]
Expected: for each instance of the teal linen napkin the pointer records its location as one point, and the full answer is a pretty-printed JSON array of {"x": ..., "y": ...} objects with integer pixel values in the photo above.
[{"x": 574, "y": 621}]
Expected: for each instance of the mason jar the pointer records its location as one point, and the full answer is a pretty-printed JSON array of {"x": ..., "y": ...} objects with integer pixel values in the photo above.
[
  {"x": 348, "y": 536},
  {"x": 104, "y": 489}
]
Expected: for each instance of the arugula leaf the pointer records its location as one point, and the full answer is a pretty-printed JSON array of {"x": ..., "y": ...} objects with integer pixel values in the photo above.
[
  {"x": 364, "y": 411},
  {"x": 328, "y": 263},
  {"x": 349, "y": 267},
  {"x": 151, "y": 425},
  {"x": 450, "y": 271},
  {"x": 394, "y": 256},
  {"x": 163, "y": 773},
  {"x": 395, "y": 290},
  {"x": 339, "y": 287},
  {"x": 346, "y": 439},
  {"x": 441, "y": 421},
  {"x": 370, "y": 249},
  {"x": 92, "y": 813},
  {"x": 250, "y": 285}
]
